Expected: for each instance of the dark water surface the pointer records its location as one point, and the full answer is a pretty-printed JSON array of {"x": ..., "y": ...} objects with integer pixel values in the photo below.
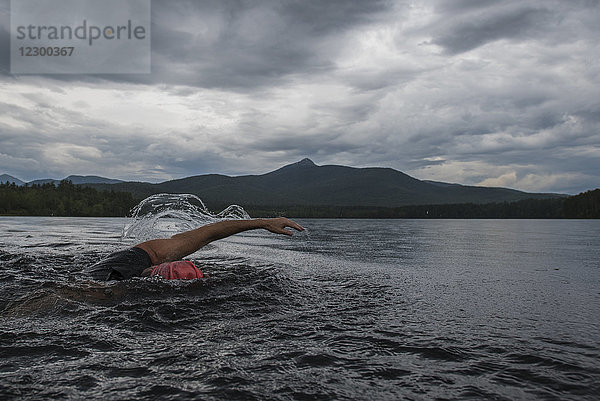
[{"x": 396, "y": 309}]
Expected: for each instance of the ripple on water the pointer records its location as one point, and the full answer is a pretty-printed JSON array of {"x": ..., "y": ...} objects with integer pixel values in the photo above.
[{"x": 303, "y": 325}]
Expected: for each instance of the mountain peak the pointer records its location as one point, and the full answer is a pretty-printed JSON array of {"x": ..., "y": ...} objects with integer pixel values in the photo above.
[
  {"x": 306, "y": 162},
  {"x": 302, "y": 165}
]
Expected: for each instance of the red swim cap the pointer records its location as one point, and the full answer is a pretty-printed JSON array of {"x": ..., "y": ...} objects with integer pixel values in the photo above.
[{"x": 179, "y": 270}]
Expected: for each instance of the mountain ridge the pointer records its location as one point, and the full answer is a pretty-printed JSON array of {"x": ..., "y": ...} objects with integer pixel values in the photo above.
[
  {"x": 306, "y": 184},
  {"x": 4, "y": 178},
  {"x": 75, "y": 179}
]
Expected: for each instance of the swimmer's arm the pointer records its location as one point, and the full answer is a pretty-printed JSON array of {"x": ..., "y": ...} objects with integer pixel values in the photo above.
[{"x": 183, "y": 244}]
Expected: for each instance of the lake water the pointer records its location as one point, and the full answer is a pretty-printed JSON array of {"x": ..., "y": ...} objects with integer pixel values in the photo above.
[{"x": 349, "y": 309}]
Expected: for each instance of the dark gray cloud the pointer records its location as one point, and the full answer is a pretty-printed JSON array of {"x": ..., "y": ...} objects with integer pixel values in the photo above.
[
  {"x": 240, "y": 44},
  {"x": 519, "y": 24},
  {"x": 249, "y": 44},
  {"x": 466, "y": 25},
  {"x": 476, "y": 92}
]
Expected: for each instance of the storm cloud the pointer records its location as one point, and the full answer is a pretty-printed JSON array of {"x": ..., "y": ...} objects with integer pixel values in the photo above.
[{"x": 475, "y": 92}]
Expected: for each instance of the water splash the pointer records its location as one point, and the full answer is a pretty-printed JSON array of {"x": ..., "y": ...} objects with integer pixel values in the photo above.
[{"x": 163, "y": 215}]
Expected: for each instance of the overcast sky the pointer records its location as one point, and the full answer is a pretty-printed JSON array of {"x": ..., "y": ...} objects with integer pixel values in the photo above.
[{"x": 494, "y": 93}]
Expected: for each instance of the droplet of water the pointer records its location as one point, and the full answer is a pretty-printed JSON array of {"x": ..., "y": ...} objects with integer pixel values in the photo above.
[{"x": 163, "y": 215}]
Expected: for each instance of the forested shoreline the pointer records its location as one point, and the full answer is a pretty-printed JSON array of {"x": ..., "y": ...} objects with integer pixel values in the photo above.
[
  {"x": 582, "y": 206},
  {"x": 64, "y": 199},
  {"x": 67, "y": 199}
]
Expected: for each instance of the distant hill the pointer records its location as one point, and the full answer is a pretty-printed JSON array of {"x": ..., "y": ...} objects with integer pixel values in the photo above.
[
  {"x": 306, "y": 184},
  {"x": 44, "y": 181},
  {"x": 91, "y": 179},
  {"x": 75, "y": 179},
  {"x": 4, "y": 178}
]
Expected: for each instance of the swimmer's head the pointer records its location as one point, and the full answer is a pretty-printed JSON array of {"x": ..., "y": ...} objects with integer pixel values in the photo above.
[{"x": 179, "y": 270}]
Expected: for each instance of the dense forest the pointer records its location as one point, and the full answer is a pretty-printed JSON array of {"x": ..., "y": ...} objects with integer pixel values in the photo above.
[
  {"x": 64, "y": 199},
  {"x": 67, "y": 199},
  {"x": 583, "y": 206},
  {"x": 523, "y": 209}
]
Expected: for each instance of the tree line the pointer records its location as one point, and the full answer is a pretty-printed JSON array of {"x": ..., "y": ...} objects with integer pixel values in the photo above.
[
  {"x": 67, "y": 199},
  {"x": 64, "y": 199},
  {"x": 586, "y": 205},
  {"x": 582, "y": 206}
]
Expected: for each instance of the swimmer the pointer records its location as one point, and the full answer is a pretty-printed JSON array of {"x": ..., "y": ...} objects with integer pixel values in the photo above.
[{"x": 162, "y": 257}]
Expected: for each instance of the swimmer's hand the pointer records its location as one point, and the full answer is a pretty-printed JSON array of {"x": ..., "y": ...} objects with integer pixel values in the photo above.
[{"x": 278, "y": 225}]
